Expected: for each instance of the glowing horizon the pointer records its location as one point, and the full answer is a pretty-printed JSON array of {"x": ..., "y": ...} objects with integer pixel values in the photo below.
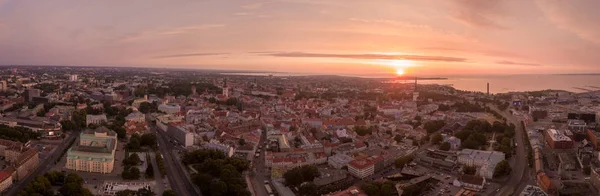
[{"x": 469, "y": 37}]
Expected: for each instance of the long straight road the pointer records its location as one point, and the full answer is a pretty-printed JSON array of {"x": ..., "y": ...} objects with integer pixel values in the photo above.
[
  {"x": 160, "y": 186},
  {"x": 177, "y": 177},
  {"x": 518, "y": 170},
  {"x": 44, "y": 166}
]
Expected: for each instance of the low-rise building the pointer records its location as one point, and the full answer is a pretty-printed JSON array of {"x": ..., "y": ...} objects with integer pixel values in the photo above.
[
  {"x": 485, "y": 160},
  {"x": 361, "y": 168},
  {"x": 594, "y": 138},
  {"x": 95, "y": 119},
  {"x": 216, "y": 145},
  {"x": 557, "y": 139},
  {"x": 546, "y": 184},
  {"x": 339, "y": 160},
  {"x": 6, "y": 180},
  {"x": 137, "y": 117},
  {"x": 170, "y": 108},
  {"x": 26, "y": 163},
  {"x": 470, "y": 181}
]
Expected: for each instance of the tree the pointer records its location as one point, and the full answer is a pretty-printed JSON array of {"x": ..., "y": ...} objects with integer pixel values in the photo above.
[
  {"x": 148, "y": 139},
  {"x": 242, "y": 142},
  {"x": 436, "y": 138},
  {"x": 149, "y": 172},
  {"x": 134, "y": 144},
  {"x": 402, "y": 161},
  {"x": 398, "y": 138},
  {"x": 218, "y": 188},
  {"x": 445, "y": 146},
  {"x": 502, "y": 169},
  {"x": 168, "y": 193},
  {"x": 146, "y": 107},
  {"x": 125, "y": 193},
  {"x": 433, "y": 126},
  {"x": 300, "y": 175},
  {"x": 587, "y": 170},
  {"x": 135, "y": 173},
  {"x": 308, "y": 189},
  {"x": 134, "y": 159},
  {"x": 469, "y": 170}
]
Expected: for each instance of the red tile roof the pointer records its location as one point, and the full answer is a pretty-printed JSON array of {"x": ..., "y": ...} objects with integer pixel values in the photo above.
[
  {"x": 361, "y": 164},
  {"x": 4, "y": 175}
]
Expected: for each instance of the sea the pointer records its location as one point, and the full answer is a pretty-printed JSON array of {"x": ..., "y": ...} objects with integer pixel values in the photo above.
[{"x": 577, "y": 83}]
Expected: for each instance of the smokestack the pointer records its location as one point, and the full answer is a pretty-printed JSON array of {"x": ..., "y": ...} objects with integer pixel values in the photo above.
[{"x": 488, "y": 88}]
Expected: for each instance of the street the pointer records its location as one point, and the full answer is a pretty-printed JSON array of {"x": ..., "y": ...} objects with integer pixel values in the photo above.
[
  {"x": 44, "y": 166},
  {"x": 160, "y": 184},
  {"x": 518, "y": 169},
  {"x": 177, "y": 177},
  {"x": 258, "y": 170}
]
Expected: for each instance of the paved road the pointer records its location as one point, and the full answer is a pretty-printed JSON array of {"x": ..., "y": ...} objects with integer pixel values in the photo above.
[
  {"x": 518, "y": 170},
  {"x": 258, "y": 166},
  {"x": 44, "y": 166},
  {"x": 177, "y": 177},
  {"x": 160, "y": 185}
]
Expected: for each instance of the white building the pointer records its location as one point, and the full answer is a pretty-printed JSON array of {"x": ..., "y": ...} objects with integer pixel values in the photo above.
[
  {"x": 182, "y": 135},
  {"x": 137, "y": 117},
  {"x": 169, "y": 108},
  {"x": 454, "y": 142},
  {"x": 162, "y": 122},
  {"x": 73, "y": 78},
  {"x": 216, "y": 145},
  {"x": 339, "y": 160},
  {"x": 469, "y": 181},
  {"x": 95, "y": 119},
  {"x": 485, "y": 160},
  {"x": 390, "y": 109},
  {"x": 361, "y": 168}
]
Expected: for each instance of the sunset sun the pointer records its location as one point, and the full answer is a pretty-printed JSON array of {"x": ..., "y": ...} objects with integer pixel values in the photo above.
[{"x": 400, "y": 72}]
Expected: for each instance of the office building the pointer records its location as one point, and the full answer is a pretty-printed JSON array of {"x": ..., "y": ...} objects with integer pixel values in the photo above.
[
  {"x": 32, "y": 92},
  {"x": 95, "y": 151},
  {"x": 181, "y": 134}
]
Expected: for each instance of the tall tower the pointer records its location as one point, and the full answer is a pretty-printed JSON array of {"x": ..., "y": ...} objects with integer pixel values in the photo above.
[
  {"x": 415, "y": 92},
  {"x": 488, "y": 89},
  {"x": 225, "y": 89}
]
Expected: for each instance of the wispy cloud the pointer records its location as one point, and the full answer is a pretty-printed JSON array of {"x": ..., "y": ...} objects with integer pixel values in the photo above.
[
  {"x": 154, "y": 33},
  {"x": 367, "y": 56},
  {"x": 478, "y": 13},
  {"x": 253, "y": 6},
  {"x": 187, "y": 55},
  {"x": 516, "y": 63},
  {"x": 578, "y": 17}
]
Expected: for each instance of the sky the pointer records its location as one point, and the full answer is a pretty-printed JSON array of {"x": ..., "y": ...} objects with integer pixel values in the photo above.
[{"x": 346, "y": 37}]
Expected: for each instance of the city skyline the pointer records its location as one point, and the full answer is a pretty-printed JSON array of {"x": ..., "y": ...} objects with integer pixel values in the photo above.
[{"x": 457, "y": 37}]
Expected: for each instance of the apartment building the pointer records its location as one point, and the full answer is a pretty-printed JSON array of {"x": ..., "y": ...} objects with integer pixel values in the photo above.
[{"x": 361, "y": 168}]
